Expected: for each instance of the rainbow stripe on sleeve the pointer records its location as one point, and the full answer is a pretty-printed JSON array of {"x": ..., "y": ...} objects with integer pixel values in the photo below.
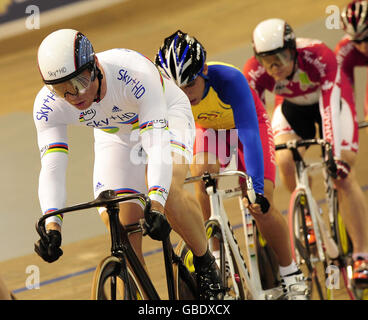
[
  {"x": 60, "y": 216},
  {"x": 56, "y": 147},
  {"x": 178, "y": 145},
  {"x": 127, "y": 191},
  {"x": 145, "y": 126},
  {"x": 158, "y": 190},
  {"x": 149, "y": 125}
]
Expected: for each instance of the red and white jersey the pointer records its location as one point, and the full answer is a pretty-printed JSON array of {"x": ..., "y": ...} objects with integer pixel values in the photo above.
[
  {"x": 317, "y": 78},
  {"x": 348, "y": 57}
]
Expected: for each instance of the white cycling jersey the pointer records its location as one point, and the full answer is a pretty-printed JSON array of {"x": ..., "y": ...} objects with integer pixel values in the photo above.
[{"x": 142, "y": 113}]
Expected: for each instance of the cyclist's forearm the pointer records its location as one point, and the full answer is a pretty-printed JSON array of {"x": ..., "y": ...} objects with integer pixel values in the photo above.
[
  {"x": 159, "y": 166},
  {"x": 52, "y": 185}
]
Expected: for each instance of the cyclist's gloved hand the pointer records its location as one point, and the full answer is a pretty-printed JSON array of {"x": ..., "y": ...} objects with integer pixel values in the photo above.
[
  {"x": 156, "y": 225},
  {"x": 263, "y": 202},
  {"x": 338, "y": 169},
  {"x": 48, "y": 248}
]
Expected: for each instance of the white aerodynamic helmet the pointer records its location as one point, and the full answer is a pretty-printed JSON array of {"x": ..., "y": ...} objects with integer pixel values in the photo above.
[
  {"x": 271, "y": 36},
  {"x": 354, "y": 19},
  {"x": 64, "y": 54}
]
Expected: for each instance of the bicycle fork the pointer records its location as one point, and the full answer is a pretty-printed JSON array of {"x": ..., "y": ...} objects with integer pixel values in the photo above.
[
  {"x": 250, "y": 245},
  {"x": 229, "y": 239}
]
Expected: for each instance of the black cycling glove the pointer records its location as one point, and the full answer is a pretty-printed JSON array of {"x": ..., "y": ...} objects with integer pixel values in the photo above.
[
  {"x": 156, "y": 225},
  {"x": 48, "y": 248},
  {"x": 263, "y": 202}
]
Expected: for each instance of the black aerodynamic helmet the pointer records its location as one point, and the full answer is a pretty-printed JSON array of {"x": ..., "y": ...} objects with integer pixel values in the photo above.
[{"x": 181, "y": 57}]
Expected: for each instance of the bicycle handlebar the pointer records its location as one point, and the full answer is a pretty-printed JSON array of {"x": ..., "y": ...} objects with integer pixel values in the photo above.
[
  {"x": 250, "y": 190},
  {"x": 363, "y": 124},
  {"x": 293, "y": 144},
  {"x": 105, "y": 199}
]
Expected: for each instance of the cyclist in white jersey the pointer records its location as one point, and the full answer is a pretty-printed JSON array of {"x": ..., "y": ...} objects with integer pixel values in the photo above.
[{"x": 144, "y": 133}]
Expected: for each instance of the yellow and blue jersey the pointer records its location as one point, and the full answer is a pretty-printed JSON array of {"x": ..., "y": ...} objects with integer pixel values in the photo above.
[{"x": 228, "y": 103}]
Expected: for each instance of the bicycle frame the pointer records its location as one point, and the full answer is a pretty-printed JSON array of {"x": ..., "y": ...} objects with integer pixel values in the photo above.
[
  {"x": 250, "y": 275},
  {"x": 120, "y": 244},
  {"x": 324, "y": 240}
]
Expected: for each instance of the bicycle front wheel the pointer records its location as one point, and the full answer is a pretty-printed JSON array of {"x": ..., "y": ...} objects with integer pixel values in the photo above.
[
  {"x": 267, "y": 262},
  {"x": 109, "y": 282},
  {"x": 184, "y": 277},
  {"x": 303, "y": 246}
]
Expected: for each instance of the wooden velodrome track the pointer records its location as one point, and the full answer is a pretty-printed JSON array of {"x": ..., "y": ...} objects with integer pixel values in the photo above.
[{"x": 223, "y": 26}]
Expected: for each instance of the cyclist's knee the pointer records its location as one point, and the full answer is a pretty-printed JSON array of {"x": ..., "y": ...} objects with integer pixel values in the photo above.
[
  {"x": 268, "y": 190},
  {"x": 347, "y": 183},
  {"x": 349, "y": 157}
]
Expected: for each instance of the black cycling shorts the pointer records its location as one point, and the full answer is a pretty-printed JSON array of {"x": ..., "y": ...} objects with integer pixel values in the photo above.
[{"x": 303, "y": 119}]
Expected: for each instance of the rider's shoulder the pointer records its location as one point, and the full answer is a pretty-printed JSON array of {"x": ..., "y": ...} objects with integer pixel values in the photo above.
[
  {"x": 127, "y": 62},
  {"x": 47, "y": 99},
  {"x": 125, "y": 57},
  {"x": 223, "y": 72},
  {"x": 311, "y": 46},
  {"x": 48, "y": 107},
  {"x": 310, "y": 51}
]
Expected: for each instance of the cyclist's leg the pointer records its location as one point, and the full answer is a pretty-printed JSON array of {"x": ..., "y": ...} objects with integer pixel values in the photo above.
[
  {"x": 273, "y": 227},
  {"x": 354, "y": 212},
  {"x": 208, "y": 144},
  {"x": 129, "y": 213},
  {"x": 282, "y": 133},
  {"x": 206, "y": 159},
  {"x": 120, "y": 166},
  {"x": 182, "y": 209},
  {"x": 203, "y": 162},
  {"x": 184, "y": 214},
  {"x": 354, "y": 207},
  {"x": 294, "y": 283}
]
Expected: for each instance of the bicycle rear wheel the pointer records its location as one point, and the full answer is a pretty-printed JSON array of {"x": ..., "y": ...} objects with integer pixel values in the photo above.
[
  {"x": 339, "y": 232},
  {"x": 109, "y": 282},
  {"x": 303, "y": 251},
  {"x": 345, "y": 246}
]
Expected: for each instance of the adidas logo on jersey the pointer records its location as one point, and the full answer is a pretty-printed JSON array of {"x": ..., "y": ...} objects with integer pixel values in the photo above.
[
  {"x": 116, "y": 109},
  {"x": 98, "y": 186}
]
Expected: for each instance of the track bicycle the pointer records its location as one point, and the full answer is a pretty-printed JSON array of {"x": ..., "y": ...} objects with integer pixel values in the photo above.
[
  {"x": 239, "y": 280},
  {"x": 330, "y": 248},
  {"x": 121, "y": 274}
]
